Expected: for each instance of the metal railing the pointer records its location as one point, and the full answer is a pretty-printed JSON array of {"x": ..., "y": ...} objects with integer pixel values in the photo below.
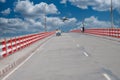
[
  {"x": 113, "y": 32},
  {"x": 10, "y": 46}
]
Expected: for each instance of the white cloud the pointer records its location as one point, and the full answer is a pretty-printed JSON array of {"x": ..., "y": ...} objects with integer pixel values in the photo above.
[
  {"x": 33, "y": 23},
  {"x": 2, "y": 1},
  {"x": 93, "y": 22},
  {"x": 63, "y": 1},
  {"x": 18, "y": 25},
  {"x": 56, "y": 22},
  {"x": 34, "y": 18},
  {"x": 6, "y": 12},
  {"x": 15, "y": 25},
  {"x": 12, "y": 23},
  {"x": 29, "y": 9},
  {"x": 99, "y": 5}
]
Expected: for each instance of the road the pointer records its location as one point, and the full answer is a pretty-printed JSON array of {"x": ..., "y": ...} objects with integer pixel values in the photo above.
[{"x": 71, "y": 56}]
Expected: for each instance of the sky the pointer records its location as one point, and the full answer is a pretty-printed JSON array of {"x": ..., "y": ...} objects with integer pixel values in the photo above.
[{"x": 19, "y": 17}]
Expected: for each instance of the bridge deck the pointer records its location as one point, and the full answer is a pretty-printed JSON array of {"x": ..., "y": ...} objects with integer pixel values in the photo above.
[{"x": 72, "y": 56}]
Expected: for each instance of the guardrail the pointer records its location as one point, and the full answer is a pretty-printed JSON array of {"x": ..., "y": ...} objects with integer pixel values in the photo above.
[
  {"x": 10, "y": 46},
  {"x": 113, "y": 32}
]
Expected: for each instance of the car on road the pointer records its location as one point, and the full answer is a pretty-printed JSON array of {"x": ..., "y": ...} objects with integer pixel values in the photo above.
[{"x": 58, "y": 32}]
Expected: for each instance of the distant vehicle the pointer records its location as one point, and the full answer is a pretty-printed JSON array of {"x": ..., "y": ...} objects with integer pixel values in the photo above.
[{"x": 58, "y": 32}]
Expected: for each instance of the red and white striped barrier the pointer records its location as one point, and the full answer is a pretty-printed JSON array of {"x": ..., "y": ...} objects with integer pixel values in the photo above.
[
  {"x": 3, "y": 48},
  {"x": 113, "y": 32},
  {"x": 12, "y": 45}
]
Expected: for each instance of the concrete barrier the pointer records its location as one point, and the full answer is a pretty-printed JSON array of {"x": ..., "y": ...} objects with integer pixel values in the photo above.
[{"x": 10, "y": 46}]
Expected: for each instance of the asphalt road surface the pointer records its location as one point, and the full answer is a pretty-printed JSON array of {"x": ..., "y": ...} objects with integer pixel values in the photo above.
[{"x": 71, "y": 56}]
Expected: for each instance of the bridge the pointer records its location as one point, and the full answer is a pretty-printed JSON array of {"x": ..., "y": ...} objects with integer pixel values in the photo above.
[{"x": 93, "y": 55}]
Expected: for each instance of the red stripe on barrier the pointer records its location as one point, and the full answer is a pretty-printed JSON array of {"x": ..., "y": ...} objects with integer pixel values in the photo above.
[{"x": 4, "y": 49}]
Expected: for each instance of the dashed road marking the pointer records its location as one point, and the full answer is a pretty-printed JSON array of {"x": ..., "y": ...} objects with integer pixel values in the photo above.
[
  {"x": 85, "y": 54},
  {"x": 106, "y": 76}
]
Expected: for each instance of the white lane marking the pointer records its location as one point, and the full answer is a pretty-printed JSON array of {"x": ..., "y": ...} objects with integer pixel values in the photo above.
[
  {"x": 78, "y": 45},
  {"x": 23, "y": 62},
  {"x": 85, "y": 54},
  {"x": 106, "y": 76},
  {"x": 18, "y": 66}
]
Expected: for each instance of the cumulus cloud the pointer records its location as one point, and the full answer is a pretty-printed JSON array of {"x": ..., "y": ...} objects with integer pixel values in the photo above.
[
  {"x": 2, "y": 1},
  {"x": 99, "y": 5},
  {"x": 6, "y": 12},
  {"x": 63, "y": 1},
  {"x": 94, "y": 22},
  {"x": 29, "y": 9},
  {"x": 33, "y": 18},
  {"x": 56, "y": 22},
  {"x": 11, "y": 22},
  {"x": 16, "y": 25},
  {"x": 10, "y": 25},
  {"x": 36, "y": 24}
]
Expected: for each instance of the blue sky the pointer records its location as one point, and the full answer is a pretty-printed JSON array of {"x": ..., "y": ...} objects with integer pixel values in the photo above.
[{"x": 27, "y": 16}]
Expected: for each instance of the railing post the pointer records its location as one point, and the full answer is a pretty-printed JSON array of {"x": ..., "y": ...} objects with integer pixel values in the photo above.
[
  {"x": 16, "y": 43},
  {"x": 10, "y": 51},
  {"x": 11, "y": 45},
  {"x": 119, "y": 32},
  {"x": 4, "y": 49}
]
